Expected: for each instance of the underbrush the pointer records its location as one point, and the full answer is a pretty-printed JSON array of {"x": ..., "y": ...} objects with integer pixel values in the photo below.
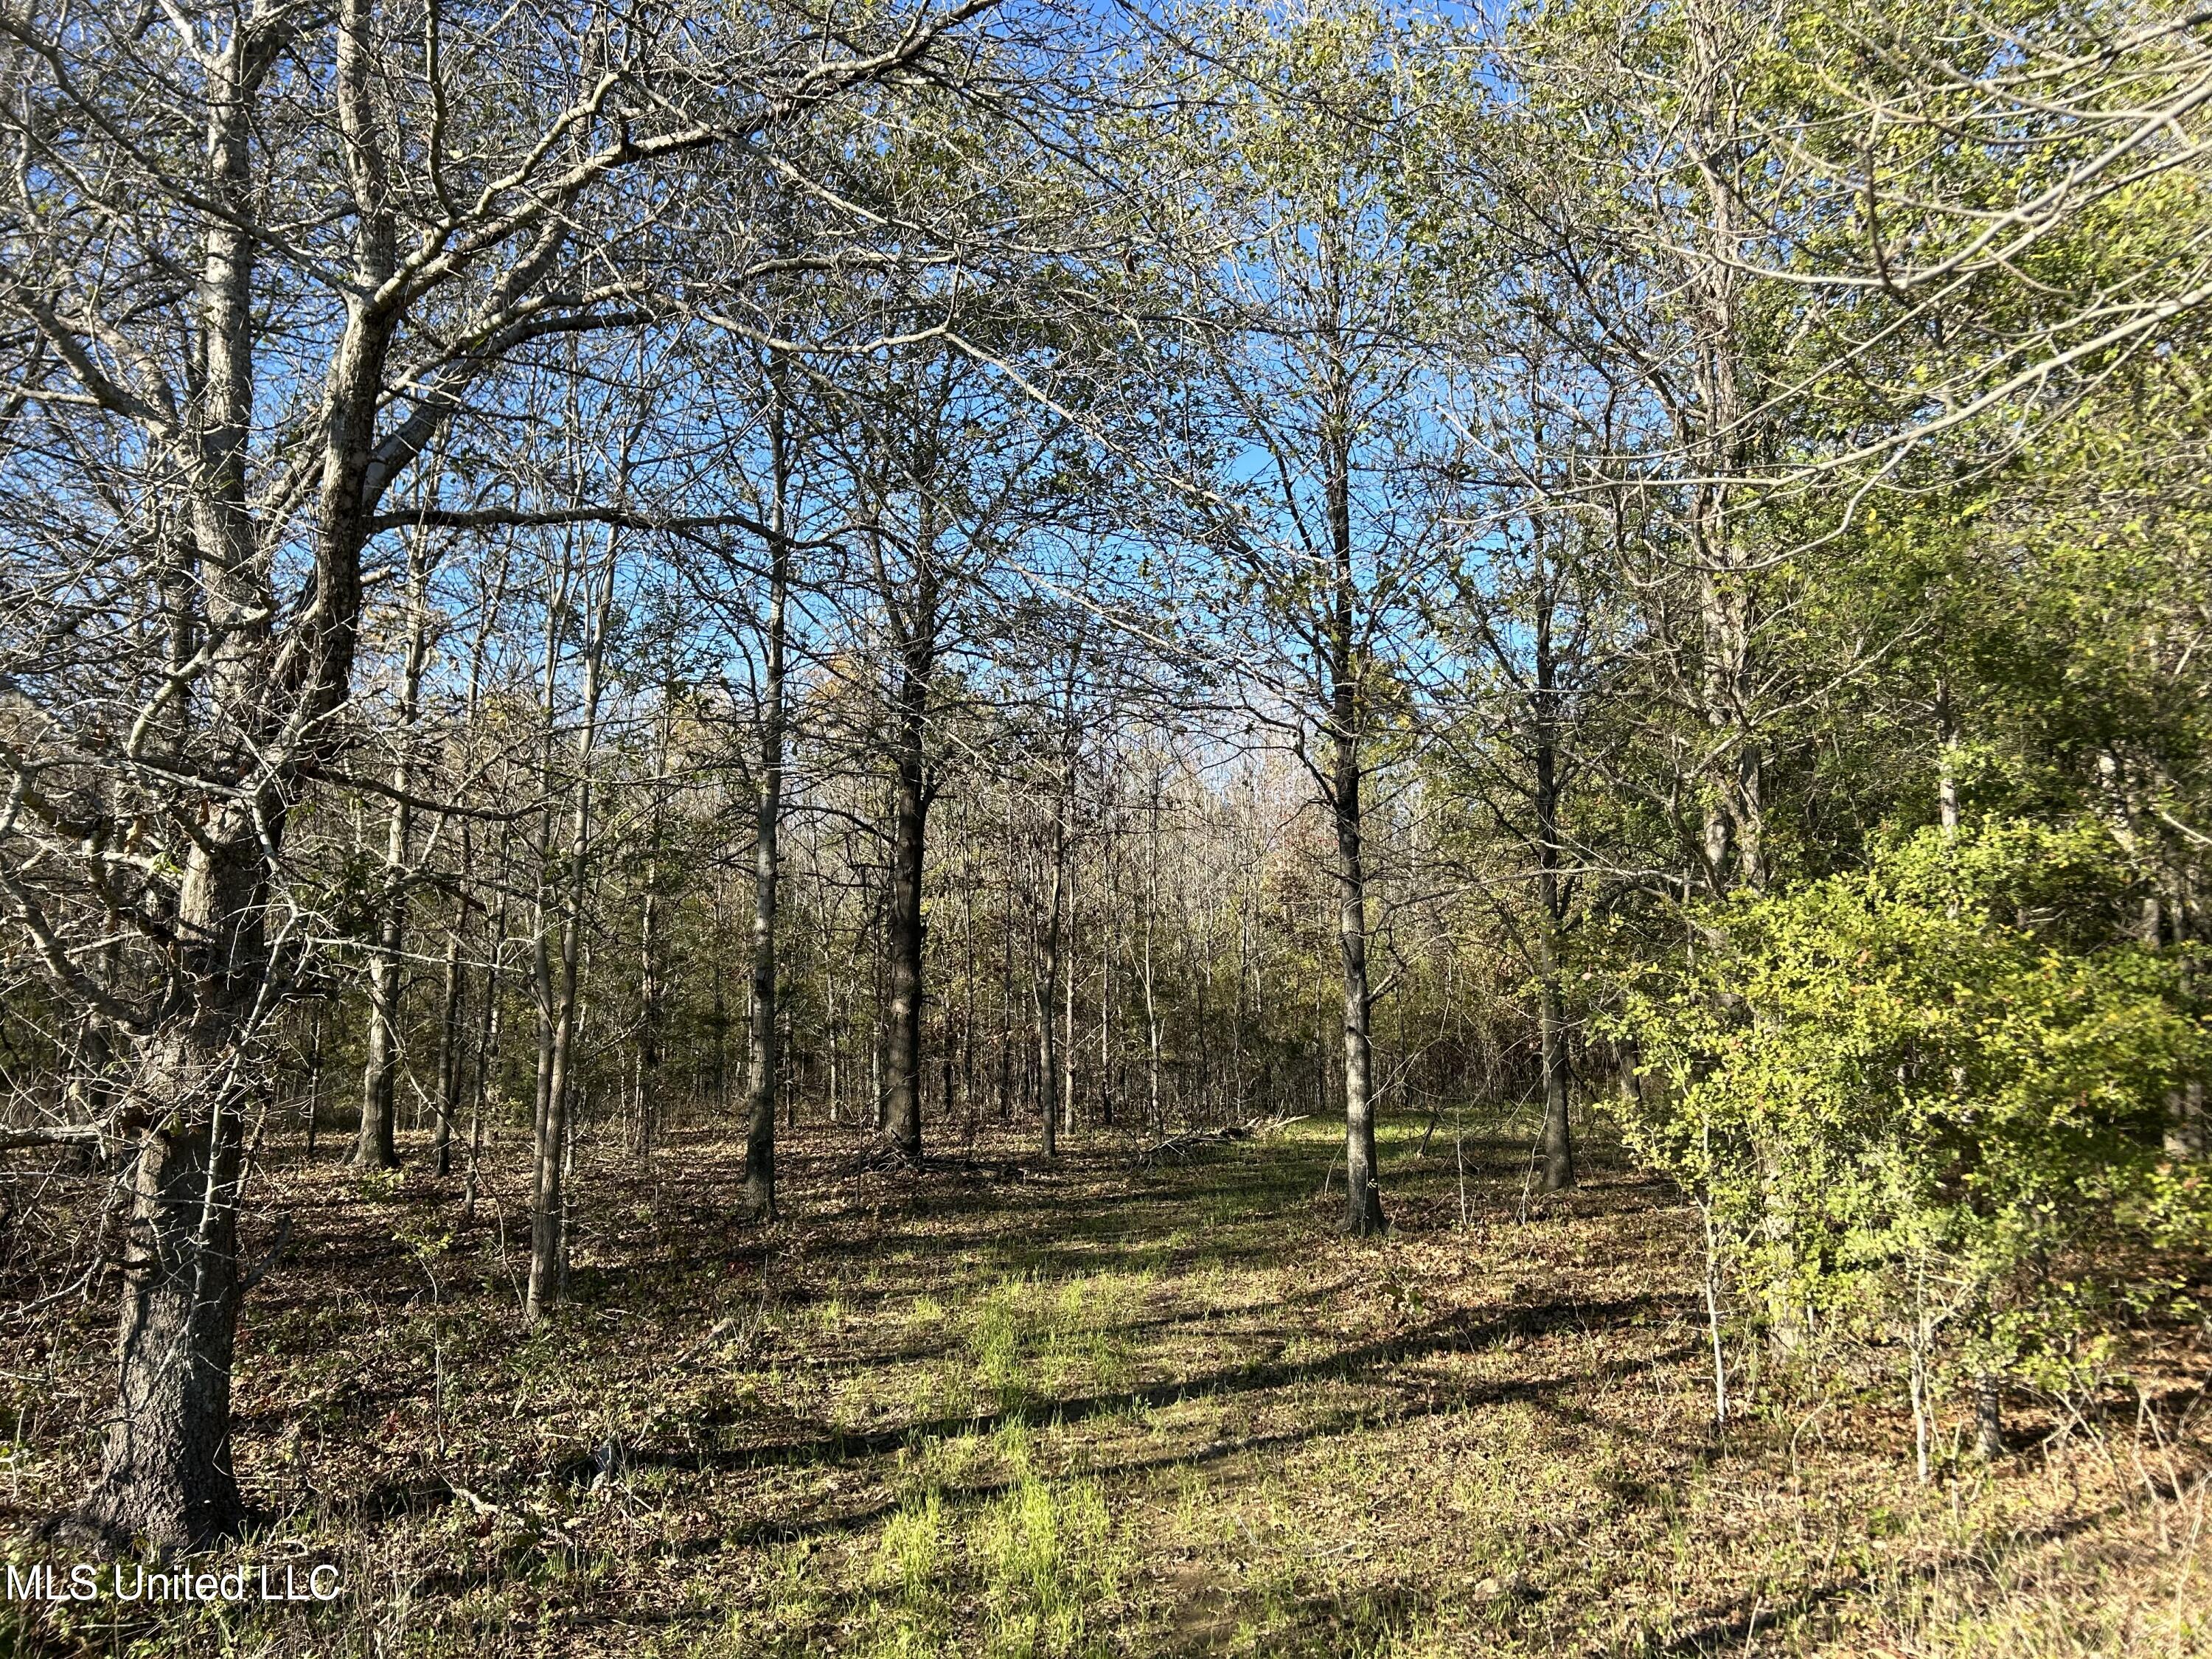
[{"x": 1105, "y": 1409}]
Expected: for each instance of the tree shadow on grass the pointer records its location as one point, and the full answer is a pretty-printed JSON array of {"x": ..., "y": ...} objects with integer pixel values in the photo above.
[
  {"x": 1454, "y": 1333},
  {"x": 1732, "y": 1626}
]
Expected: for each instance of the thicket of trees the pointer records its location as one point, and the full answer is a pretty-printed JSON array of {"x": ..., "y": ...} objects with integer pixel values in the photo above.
[{"x": 569, "y": 574}]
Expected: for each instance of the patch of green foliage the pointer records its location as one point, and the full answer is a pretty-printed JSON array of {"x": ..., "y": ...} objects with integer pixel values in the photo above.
[{"x": 1926, "y": 1102}]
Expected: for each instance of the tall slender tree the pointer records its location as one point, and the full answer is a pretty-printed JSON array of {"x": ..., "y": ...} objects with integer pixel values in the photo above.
[{"x": 215, "y": 467}]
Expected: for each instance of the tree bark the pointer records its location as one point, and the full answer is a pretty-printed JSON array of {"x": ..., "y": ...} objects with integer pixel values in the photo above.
[
  {"x": 165, "y": 1471},
  {"x": 314, "y": 1082},
  {"x": 1363, "y": 1211},
  {"x": 1363, "y": 1208},
  {"x": 904, "y": 925},
  {"x": 1157, "y": 1119},
  {"x": 559, "y": 990},
  {"x": 373, "y": 1146},
  {"x": 1067, "y": 1042},
  {"x": 450, "y": 1024},
  {"x": 651, "y": 989},
  {"x": 1048, "y": 982},
  {"x": 1714, "y": 423},
  {"x": 760, "y": 1079},
  {"x": 1557, "y": 1142},
  {"x": 903, "y": 931}
]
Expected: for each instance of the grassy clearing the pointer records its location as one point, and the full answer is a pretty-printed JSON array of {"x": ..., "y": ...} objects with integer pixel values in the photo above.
[{"x": 1096, "y": 1410}]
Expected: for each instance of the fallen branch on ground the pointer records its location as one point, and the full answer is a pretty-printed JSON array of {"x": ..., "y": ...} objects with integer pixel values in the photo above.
[
  {"x": 52, "y": 1134},
  {"x": 1181, "y": 1143}
]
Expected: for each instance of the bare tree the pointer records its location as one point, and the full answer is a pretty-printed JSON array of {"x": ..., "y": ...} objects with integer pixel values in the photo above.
[
  {"x": 763, "y": 1068},
  {"x": 1323, "y": 550},
  {"x": 194, "y": 476}
]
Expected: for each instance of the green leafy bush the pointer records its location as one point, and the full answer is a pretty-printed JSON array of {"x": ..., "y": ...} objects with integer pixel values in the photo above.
[{"x": 1925, "y": 1105}]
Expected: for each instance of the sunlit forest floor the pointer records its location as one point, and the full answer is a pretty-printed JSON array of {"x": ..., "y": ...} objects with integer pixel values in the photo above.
[{"x": 1105, "y": 1408}]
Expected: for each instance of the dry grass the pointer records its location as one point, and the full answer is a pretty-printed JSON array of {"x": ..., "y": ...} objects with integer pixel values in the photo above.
[{"x": 1097, "y": 1410}]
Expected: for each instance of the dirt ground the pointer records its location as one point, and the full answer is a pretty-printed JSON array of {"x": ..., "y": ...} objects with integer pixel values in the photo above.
[{"x": 1100, "y": 1408}]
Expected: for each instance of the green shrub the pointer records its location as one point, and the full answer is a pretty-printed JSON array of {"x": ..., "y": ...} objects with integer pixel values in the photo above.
[{"x": 1924, "y": 1104}]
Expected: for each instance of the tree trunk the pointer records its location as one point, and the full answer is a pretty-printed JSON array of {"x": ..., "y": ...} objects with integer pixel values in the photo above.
[
  {"x": 549, "y": 1200},
  {"x": 645, "y": 1074},
  {"x": 904, "y": 930},
  {"x": 1108, "y": 907},
  {"x": 1716, "y": 425},
  {"x": 761, "y": 1077},
  {"x": 650, "y": 1051},
  {"x": 1004, "y": 1066},
  {"x": 1988, "y": 1419},
  {"x": 559, "y": 991},
  {"x": 1363, "y": 1211},
  {"x": 718, "y": 1021},
  {"x": 1067, "y": 1046},
  {"x": 374, "y": 1147},
  {"x": 2185, "y": 1120},
  {"x": 166, "y": 1471},
  {"x": 314, "y": 1082},
  {"x": 166, "y": 1468},
  {"x": 903, "y": 935},
  {"x": 1047, "y": 985},
  {"x": 877, "y": 1088},
  {"x": 488, "y": 1038},
  {"x": 1558, "y": 1143},
  {"x": 1158, "y": 1119},
  {"x": 449, "y": 1057}
]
